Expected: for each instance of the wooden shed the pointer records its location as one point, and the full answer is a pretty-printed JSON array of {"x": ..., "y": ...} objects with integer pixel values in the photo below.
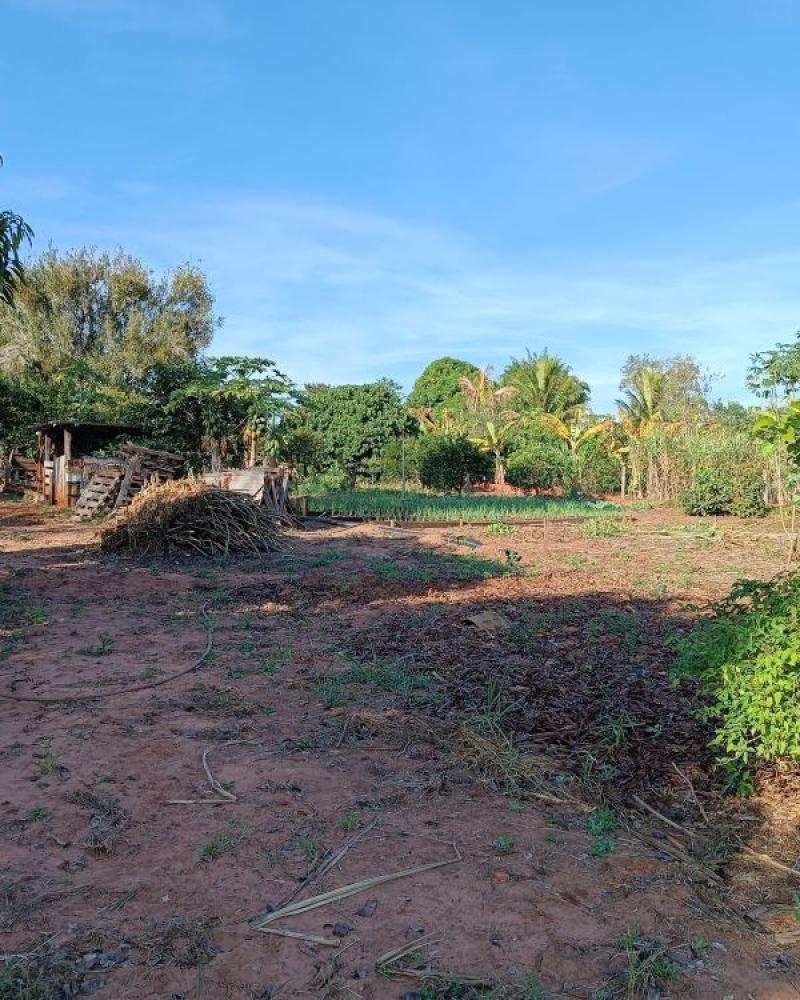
[{"x": 65, "y": 462}]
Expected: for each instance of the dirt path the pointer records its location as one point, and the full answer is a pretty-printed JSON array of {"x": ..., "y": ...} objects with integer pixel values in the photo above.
[{"x": 343, "y": 677}]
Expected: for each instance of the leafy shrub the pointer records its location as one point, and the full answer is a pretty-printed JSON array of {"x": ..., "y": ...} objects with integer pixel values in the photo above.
[
  {"x": 599, "y": 470},
  {"x": 319, "y": 483},
  {"x": 748, "y": 498},
  {"x": 714, "y": 492},
  {"x": 541, "y": 466},
  {"x": 711, "y": 493},
  {"x": 746, "y": 657},
  {"x": 445, "y": 460}
]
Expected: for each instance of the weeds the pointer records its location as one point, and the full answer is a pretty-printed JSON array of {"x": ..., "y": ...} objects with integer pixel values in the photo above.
[
  {"x": 500, "y": 528},
  {"x": 648, "y": 967},
  {"x": 349, "y": 822},
  {"x": 103, "y": 647},
  {"x": 221, "y": 842},
  {"x": 604, "y": 526},
  {"x": 503, "y": 844}
]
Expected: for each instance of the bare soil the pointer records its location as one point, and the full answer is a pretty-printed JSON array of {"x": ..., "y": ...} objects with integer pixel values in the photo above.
[{"x": 419, "y": 695}]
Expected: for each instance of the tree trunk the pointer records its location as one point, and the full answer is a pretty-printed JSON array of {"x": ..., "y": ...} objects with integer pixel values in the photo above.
[
  {"x": 216, "y": 454},
  {"x": 499, "y": 470},
  {"x": 252, "y": 457},
  {"x": 623, "y": 475}
]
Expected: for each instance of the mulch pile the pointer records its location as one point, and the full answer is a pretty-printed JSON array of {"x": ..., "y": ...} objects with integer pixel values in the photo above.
[{"x": 188, "y": 516}]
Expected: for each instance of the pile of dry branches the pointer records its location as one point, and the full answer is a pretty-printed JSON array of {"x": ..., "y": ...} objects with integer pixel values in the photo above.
[{"x": 186, "y": 515}]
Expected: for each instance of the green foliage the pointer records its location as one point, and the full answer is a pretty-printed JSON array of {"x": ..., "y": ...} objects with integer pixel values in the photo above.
[
  {"x": 445, "y": 461},
  {"x": 746, "y": 657},
  {"x": 677, "y": 387},
  {"x": 14, "y": 233},
  {"x": 599, "y": 471},
  {"x": 438, "y": 385},
  {"x": 232, "y": 401},
  {"x": 387, "y": 504},
  {"x": 110, "y": 312},
  {"x": 717, "y": 492},
  {"x": 775, "y": 371},
  {"x": 541, "y": 465},
  {"x": 353, "y": 422},
  {"x": 544, "y": 384},
  {"x": 710, "y": 493}
]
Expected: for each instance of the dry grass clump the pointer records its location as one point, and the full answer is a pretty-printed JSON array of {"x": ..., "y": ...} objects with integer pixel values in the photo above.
[{"x": 187, "y": 515}]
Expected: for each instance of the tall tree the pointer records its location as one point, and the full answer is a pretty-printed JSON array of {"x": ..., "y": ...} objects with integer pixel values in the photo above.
[
  {"x": 353, "y": 422},
  {"x": 234, "y": 400},
  {"x": 492, "y": 418},
  {"x": 776, "y": 373},
  {"x": 682, "y": 389},
  {"x": 109, "y": 311},
  {"x": 545, "y": 384},
  {"x": 439, "y": 385},
  {"x": 14, "y": 234},
  {"x": 643, "y": 404}
]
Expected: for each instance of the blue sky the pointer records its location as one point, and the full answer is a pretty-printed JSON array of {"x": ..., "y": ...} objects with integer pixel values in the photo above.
[{"x": 370, "y": 184}]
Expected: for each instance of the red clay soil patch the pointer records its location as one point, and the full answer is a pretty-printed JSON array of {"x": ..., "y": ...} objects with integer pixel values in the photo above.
[{"x": 110, "y": 885}]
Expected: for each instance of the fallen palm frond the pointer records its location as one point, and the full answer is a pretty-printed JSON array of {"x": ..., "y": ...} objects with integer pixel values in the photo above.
[
  {"x": 335, "y": 895},
  {"x": 187, "y": 515},
  {"x": 387, "y": 965},
  {"x": 491, "y": 753}
]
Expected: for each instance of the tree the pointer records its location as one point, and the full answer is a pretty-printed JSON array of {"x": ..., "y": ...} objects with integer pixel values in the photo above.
[
  {"x": 682, "y": 389},
  {"x": 575, "y": 431},
  {"x": 234, "y": 400},
  {"x": 110, "y": 312},
  {"x": 545, "y": 384},
  {"x": 645, "y": 392},
  {"x": 446, "y": 461},
  {"x": 439, "y": 385},
  {"x": 14, "y": 233},
  {"x": 776, "y": 372},
  {"x": 353, "y": 422},
  {"x": 493, "y": 421}
]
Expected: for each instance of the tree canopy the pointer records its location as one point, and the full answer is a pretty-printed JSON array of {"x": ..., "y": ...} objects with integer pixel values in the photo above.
[
  {"x": 545, "y": 384},
  {"x": 14, "y": 234},
  {"x": 353, "y": 422},
  {"x": 439, "y": 385},
  {"x": 109, "y": 311},
  {"x": 683, "y": 384}
]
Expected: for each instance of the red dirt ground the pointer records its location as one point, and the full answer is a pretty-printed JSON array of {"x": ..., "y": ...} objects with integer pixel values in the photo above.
[{"x": 100, "y": 868}]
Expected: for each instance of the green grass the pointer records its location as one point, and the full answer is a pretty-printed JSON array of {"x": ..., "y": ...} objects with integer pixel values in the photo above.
[{"x": 415, "y": 505}]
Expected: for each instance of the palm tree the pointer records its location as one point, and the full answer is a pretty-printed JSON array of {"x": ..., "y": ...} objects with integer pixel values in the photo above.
[
  {"x": 644, "y": 400},
  {"x": 575, "y": 430},
  {"x": 545, "y": 384},
  {"x": 493, "y": 420},
  {"x": 443, "y": 422}
]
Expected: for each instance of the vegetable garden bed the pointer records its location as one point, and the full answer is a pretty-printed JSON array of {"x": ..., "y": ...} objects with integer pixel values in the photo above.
[{"x": 420, "y": 508}]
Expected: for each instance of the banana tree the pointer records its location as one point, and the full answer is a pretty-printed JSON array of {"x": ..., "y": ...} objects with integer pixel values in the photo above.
[
  {"x": 491, "y": 417},
  {"x": 495, "y": 440},
  {"x": 575, "y": 430}
]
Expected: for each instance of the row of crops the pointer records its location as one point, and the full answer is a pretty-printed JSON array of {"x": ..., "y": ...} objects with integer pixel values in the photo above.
[{"x": 385, "y": 505}]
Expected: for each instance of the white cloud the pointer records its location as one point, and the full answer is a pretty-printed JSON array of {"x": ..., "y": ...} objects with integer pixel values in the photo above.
[{"x": 337, "y": 294}]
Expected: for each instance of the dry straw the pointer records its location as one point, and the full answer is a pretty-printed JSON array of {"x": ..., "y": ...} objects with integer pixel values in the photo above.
[{"x": 185, "y": 516}]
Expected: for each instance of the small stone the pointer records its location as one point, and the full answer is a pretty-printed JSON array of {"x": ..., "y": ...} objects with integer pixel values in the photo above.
[
  {"x": 368, "y": 908},
  {"x": 342, "y": 929}
]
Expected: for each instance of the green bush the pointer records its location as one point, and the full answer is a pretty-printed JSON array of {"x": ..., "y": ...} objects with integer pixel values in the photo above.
[
  {"x": 445, "y": 460},
  {"x": 715, "y": 492},
  {"x": 746, "y": 657},
  {"x": 599, "y": 470},
  {"x": 711, "y": 493},
  {"x": 748, "y": 498},
  {"x": 541, "y": 466}
]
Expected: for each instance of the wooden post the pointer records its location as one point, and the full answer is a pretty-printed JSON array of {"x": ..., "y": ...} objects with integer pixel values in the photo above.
[{"x": 67, "y": 445}]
